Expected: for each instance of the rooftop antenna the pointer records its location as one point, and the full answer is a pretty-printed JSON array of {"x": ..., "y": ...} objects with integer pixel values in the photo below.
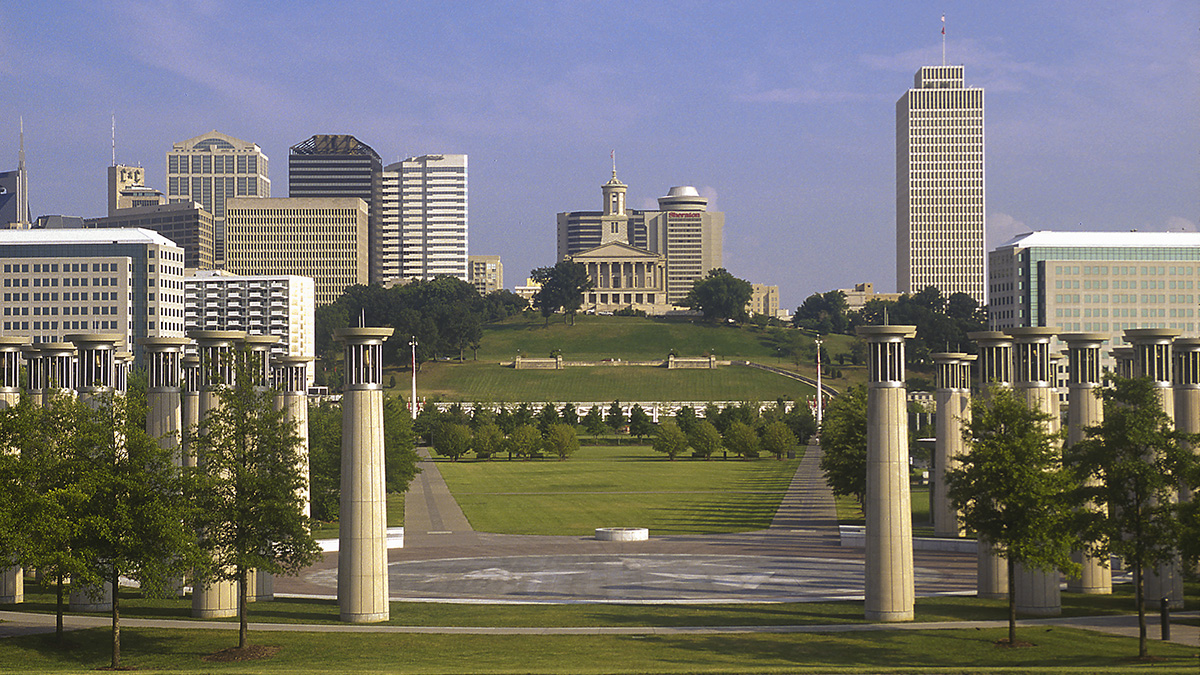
[
  {"x": 21, "y": 152},
  {"x": 114, "y": 138},
  {"x": 943, "y": 40},
  {"x": 613, "y": 155}
]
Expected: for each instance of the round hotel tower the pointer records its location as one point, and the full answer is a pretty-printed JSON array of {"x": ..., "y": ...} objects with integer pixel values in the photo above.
[
  {"x": 291, "y": 379},
  {"x": 217, "y": 349},
  {"x": 995, "y": 370},
  {"x": 12, "y": 579},
  {"x": 1037, "y": 592},
  {"x": 888, "y": 557},
  {"x": 189, "y": 406},
  {"x": 95, "y": 375},
  {"x": 953, "y": 413},
  {"x": 1085, "y": 409},
  {"x": 1152, "y": 358},
  {"x": 1187, "y": 395},
  {"x": 164, "y": 408},
  {"x": 362, "y": 552},
  {"x": 260, "y": 586}
]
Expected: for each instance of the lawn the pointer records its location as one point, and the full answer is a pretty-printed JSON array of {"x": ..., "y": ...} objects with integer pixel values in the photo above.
[
  {"x": 489, "y": 381},
  {"x": 849, "y": 512},
  {"x": 624, "y": 486},
  {"x": 395, "y": 518}
]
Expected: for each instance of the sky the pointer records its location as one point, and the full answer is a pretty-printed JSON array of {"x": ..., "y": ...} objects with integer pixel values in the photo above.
[{"x": 782, "y": 113}]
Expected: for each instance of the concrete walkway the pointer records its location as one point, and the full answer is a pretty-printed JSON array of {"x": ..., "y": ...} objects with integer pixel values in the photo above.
[{"x": 431, "y": 514}]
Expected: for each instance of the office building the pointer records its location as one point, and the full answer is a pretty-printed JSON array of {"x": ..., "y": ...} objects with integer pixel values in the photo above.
[
  {"x": 185, "y": 223},
  {"x": 486, "y": 273},
  {"x": 324, "y": 239},
  {"x": 340, "y": 165},
  {"x": 1096, "y": 282},
  {"x": 940, "y": 185},
  {"x": 127, "y": 189},
  {"x": 683, "y": 231},
  {"x": 281, "y": 305},
  {"x": 764, "y": 300},
  {"x": 433, "y": 216},
  {"x": 123, "y": 281},
  {"x": 861, "y": 294},
  {"x": 211, "y": 169},
  {"x": 14, "y": 193}
]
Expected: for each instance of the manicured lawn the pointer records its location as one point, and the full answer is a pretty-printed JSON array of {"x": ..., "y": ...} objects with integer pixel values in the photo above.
[
  {"x": 395, "y": 518},
  {"x": 489, "y": 381},
  {"x": 625, "y": 486},
  {"x": 850, "y": 513},
  {"x": 182, "y": 651}
]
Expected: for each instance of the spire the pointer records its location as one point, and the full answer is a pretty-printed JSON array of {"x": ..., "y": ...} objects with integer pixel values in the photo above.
[
  {"x": 114, "y": 138},
  {"x": 23, "y": 215},
  {"x": 613, "y": 156},
  {"x": 21, "y": 153}
]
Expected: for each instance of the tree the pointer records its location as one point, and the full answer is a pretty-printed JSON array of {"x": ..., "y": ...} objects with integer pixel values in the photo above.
[
  {"x": 801, "y": 421},
  {"x": 452, "y": 440},
  {"x": 844, "y": 444},
  {"x": 686, "y": 419},
  {"x": 639, "y": 422},
  {"x": 568, "y": 414},
  {"x": 562, "y": 287},
  {"x": 705, "y": 439},
  {"x": 741, "y": 440},
  {"x": 720, "y": 296},
  {"x": 560, "y": 440},
  {"x": 823, "y": 313},
  {"x": 487, "y": 440},
  {"x": 616, "y": 417},
  {"x": 399, "y": 456},
  {"x": 251, "y": 506},
  {"x": 1130, "y": 468},
  {"x": 325, "y": 460},
  {"x": 1011, "y": 488},
  {"x": 523, "y": 441},
  {"x": 593, "y": 421},
  {"x": 670, "y": 440},
  {"x": 547, "y": 416},
  {"x": 777, "y": 439}
]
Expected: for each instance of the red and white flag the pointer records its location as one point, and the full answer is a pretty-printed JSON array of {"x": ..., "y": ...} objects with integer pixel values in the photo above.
[{"x": 943, "y": 24}]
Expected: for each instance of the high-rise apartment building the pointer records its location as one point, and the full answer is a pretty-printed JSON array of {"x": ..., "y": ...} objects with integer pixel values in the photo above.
[
  {"x": 340, "y": 165},
  {"x": 432, "y": 215},
  {"x": 683, "y": 231},
  {"x": 940, "y": 185},
  {"x": 211, "y": 169},
  {"x": 61, "y": 281},
  {"x": 486, "y": 273},
  {"x": 185, "y": 223},
  {"x": 324, "y": 239},
  {"x": 279, "y": 305}
]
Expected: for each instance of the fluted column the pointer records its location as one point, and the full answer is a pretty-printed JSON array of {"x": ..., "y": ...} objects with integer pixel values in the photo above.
[
  {"x": 952, "y": 400},
  {"x": 164, "y": 380},
  {"x": 292, "y": 383},
  {"x": 260, "y": 585},
  {"x": 1037, "y": 592},
  {"x": 217, "y": 349},
  {"x": 1085, "y": 409},
  {"x": 189, "y": 407},
  {"x": 888, "y": 572},
  {"x": 94, "y": 377},
  {"x": 1152, "y": 359},
  {"x": 1187, "y": 397},
  {"x": 362, "y": 549},
  {"x": 12, "y": 579},
  {"x": 995, "y": 370}
]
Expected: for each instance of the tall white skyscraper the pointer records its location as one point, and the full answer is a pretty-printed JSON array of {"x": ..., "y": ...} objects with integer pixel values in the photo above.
[
  {"x": 432, "y": 215},
  {"x": 940, "y": 185},
  {"x": 212, "y": 168}
]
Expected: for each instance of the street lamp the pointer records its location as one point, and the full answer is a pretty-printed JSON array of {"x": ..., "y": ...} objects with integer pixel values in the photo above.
[
  {"x": 817, "y": 342},
  {"x": 413, "y": 404}
]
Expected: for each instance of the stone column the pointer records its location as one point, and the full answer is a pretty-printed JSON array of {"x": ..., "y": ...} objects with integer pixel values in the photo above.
[
  {"x": 292, "y": 383},
  {"x": 12, "y": 579},
  {"x": 164, "y": 414},
  {"x": 1037, "y": 592},
  {"x": 217, "y": 349},
  {"x": 260, "y": 586},
  {"x": 189, "y": 407},
  {"x": 1152, "y": 359},
  {"x": 889, "y": 587},
  {"x": 95, "y": 375},
  {"x": 951, "y": 396},
  {"x": 362, "y": 548},
  {"x": 122, "y": 364},
  {"x": 1085, "y": 409},
  {"x": 995, "y": 370},
  {"x": 1187, "y": 397}
]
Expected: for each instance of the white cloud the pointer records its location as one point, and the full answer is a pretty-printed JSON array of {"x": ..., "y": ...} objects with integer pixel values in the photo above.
[
  {"x": 710, "y": 193},
  {"x": 1180, "y": 224},
  {"x": 1001, "y": 227}
]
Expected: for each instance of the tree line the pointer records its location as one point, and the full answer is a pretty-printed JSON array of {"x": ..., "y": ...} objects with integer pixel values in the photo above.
[{"x": 522, "y": 432}]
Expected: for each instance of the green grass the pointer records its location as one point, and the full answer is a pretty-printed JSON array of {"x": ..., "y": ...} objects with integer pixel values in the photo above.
[
  {"x": 850, "y": 513},
  {"x": 395, "y": 518},
  {"x": 489, "y": 381},
  {"x": 181, "y": 651},
  {"x": 624, "y": 486}
]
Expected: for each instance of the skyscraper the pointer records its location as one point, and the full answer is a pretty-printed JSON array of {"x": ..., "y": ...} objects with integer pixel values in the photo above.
[
  {"x": 211, "y": 168},
  {"x": 14, "y": 193},
  {"x": 940, "y": 185},
  {"x": 340, "y": 165},
  {"x": 432, "y": 215}
]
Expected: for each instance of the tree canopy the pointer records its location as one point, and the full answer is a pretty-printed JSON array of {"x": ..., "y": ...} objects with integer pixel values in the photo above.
[
  {"x": 563, "y": 286},
  {"x": 720, "y": 296},
  {"x": 844, "y": 444}
]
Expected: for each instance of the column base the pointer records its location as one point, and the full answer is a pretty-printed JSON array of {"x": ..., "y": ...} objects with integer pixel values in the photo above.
[
  {"x": 365, "y": 618},
  {"x": 888, "y": 617}
]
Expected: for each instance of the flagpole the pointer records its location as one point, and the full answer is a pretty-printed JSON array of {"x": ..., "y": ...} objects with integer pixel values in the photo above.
[{"x": 943, "y": 40}]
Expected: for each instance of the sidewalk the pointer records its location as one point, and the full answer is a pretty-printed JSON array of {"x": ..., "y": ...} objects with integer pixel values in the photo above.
[{"x": 431, "y": 514}]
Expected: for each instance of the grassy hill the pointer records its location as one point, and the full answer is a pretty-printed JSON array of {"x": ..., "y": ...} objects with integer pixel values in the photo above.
[{"x": 594, "y": 338}]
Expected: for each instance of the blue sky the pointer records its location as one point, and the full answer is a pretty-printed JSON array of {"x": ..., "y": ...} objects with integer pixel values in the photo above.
[{"x": 781, "y": 112}]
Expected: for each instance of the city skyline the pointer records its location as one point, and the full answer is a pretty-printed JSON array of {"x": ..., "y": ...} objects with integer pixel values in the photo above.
[{"x": 781, "y": 114}]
